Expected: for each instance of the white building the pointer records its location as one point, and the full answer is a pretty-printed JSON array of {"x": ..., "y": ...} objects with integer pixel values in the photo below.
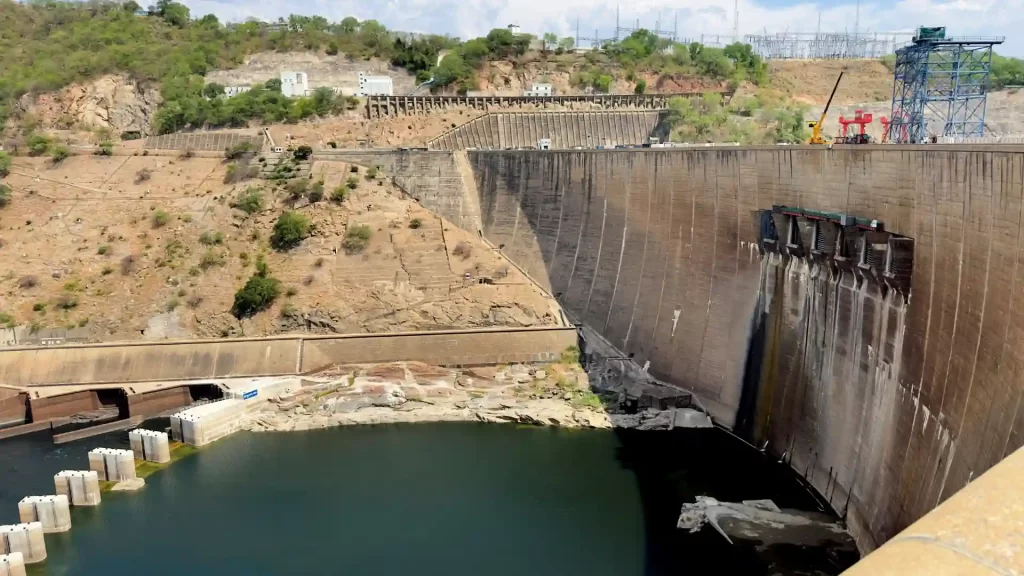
[
  {"x": 294, "y": 84},
  {"x": 374, "y": 85},
  {"x": 230, "y": 91},
  {"x": 515, "y": 29},
  {"x": 539, "y": 89}
]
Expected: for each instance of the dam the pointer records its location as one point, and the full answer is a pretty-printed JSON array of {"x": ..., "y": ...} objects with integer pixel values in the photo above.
[{"x": 887, "y": 399}]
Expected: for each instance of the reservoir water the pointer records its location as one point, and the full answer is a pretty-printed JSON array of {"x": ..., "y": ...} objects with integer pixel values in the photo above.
[{"x": 446, "y": 499}]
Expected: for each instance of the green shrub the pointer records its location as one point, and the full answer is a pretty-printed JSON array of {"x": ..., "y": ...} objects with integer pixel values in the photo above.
[
  {"x": 210, "y": 258},
  {"x": 357, "y": 238},
  {"x": 5, "y": 164},
  {"x": 338, "y": 194},
  {"x": 38, "y": 144},
  {"x": 257, "y": 295},
  {"x": 352, "y": 182},
  {"x": 103, "y": 249},
  {"x": 172, "y": 304},
  {"x": 59, "y": 153},
  {"x": 291, "y": 291},
  {"x": 238, "y": 151},
  {"x": 250, "y": 201},
  {"x": 290, "y": 230},
  {"x": 39, "y": 307},
  {"x": 160, "y": 218},
  {"x": 316, "y": 192},
  {"x": 415, "y": 223},
  {"x": 66, "y": 302},
  {"x": 297, "y": 188},
  {"x": 371, "y": 173},
  {"x": 106, "y": 149},
  {"x": 302, "y": 152},
  {"x": 7, "y": 320},
  {"x": 210, "y": 238},
  {"x": 5, "y": 195}
]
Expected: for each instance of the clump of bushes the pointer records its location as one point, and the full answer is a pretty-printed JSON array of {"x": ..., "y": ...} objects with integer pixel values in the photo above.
[
  {"x": 160, "y": 218},
  {"x": 210, "y": 238},
  {"x": 5, "y": 195},
  {"x": 352, "y": 182},
  {"x": 415, "y": 223},
  {"x": 297, "y": 188},
  {"x": 338, "y": 194},
  {"x": 290, "y": 230},
  {"x": 257, "y": 295},
  {"x": 26, "y": 282},
  {"x": 59, "y": 153},
  {"x": 250, "y": 201},
  {"x": 357, "y": 238},
  {"x": 106, "y": 148},
  {"x": 5, "y": 164},
  {"x": 143, "y": 175},
  {"x": 315, "y": 193},
  {"x": 463, "y": 250},
  {"x": 128, "y": 264},
  {"x": 238, "y": 151},
  {"x": 209, "y": 259}
]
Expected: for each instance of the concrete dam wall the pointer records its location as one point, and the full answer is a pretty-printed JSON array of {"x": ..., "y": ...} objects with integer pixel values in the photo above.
[
  {"x": 887, "y": 397},
  {"x": 501, "y": 130}
]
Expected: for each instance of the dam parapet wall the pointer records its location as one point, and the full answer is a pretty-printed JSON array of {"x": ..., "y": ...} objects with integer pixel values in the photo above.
[{"x": 887, "y": 399}]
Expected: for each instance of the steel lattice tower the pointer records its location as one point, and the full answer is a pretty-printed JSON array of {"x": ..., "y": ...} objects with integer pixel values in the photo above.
[{"x": 940, "y": 86}]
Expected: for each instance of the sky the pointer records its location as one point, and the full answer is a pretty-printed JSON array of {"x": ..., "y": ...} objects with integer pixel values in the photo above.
[{"x": 470, "y": 18}]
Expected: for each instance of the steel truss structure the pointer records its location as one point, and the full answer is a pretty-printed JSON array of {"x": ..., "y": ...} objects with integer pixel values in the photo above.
[{"x": 940, "y": 89}]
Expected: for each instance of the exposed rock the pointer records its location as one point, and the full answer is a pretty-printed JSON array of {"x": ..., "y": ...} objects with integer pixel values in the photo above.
[{"x": 114, "y": 102}]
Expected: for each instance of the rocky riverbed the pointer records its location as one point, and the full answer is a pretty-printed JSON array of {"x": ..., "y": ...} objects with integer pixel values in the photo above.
[{"x": 545, "y": 395}]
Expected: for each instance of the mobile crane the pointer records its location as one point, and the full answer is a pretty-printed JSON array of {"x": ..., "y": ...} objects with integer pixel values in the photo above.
[{"x": 816, "y": 137}]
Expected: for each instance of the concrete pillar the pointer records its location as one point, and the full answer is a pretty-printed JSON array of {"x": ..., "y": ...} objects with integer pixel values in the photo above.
[
  {"x": 12, "y": 564},
  {"x": 150, "y": 445},
  {"x": 112, "y": 464},
  {"x": 53, "y": 512},
  {"x": 82, "y": 488},
  {"x": 26, "y": 539}
]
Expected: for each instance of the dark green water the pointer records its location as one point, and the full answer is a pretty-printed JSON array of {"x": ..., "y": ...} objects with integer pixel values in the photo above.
[{"x": 451, "y": 499}]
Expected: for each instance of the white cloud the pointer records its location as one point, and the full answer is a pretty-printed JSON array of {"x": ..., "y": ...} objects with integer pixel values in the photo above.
[{"x": 468, "y": 18}]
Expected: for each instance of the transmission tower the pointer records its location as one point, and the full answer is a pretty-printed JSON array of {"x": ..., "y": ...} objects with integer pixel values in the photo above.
[{"x": 945, "y": 79}]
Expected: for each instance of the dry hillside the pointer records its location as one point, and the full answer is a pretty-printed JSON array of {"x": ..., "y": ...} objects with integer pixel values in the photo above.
[
  {"x": 811, "y": 81},
  {"x": 80, "y": 246}
]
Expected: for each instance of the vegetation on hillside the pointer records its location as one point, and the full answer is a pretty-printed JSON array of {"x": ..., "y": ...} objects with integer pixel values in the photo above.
[
  {"x": 53, "y": 44},
  {"x": 759, "y": 119}
]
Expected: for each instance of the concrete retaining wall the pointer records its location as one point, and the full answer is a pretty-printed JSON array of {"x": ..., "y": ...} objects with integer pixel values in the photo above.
[
  {"x": 433, "y": 178},
  {"x": 143, "y": 362},
  {"x": 501, "y": 130},
  {"x": 442, "y": 348},
  {"x": 176, "y": 361},
  {"x": 159, "y": 401},
  {"x": 886, "y": 408},
  {"x": 203, "y": 141}
]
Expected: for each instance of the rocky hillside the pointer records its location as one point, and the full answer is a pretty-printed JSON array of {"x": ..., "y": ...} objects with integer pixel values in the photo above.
[
  {"x": 134, "y": 247},
  {"x": 114, "y": 102}
]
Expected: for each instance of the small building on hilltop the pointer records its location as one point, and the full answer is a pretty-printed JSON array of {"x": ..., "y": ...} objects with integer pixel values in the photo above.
[
  {"x": 230, "y": 91},
  {"x": 374, "y": 85},
  {"x": 294, "y": 84},
  {"x": 540, "y": 89}
]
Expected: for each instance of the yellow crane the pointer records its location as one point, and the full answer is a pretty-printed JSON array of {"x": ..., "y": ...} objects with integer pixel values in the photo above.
[{"x": 816, "y": 137}]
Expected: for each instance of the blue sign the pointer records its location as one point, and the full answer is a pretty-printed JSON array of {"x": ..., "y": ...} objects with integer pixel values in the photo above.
[{"x": 250, "y": 394}]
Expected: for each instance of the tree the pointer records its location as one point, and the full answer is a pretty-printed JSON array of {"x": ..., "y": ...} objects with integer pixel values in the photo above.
[
  {"x": 213, "y": 90},
  {"x": 550, "y": 39},
  {"x": 5, "y": 164},
  {"x": 303, "y": 152},
  {"x": 290, "y": 230},
  {"x": 641, "y": 86},
  {"x": 332, "y": 48},
  {"x": 257, "y": 295},
  {"x": 567, "y": 43},
  {"x": 349, "y": 25},
  {"x": 273, "y": 85},
  {"x": 173, "y": 13},
  {"x": 5, "y": 195},
  {"x": 452, "y": 69},
  {"x": 131, "y": 7}
]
